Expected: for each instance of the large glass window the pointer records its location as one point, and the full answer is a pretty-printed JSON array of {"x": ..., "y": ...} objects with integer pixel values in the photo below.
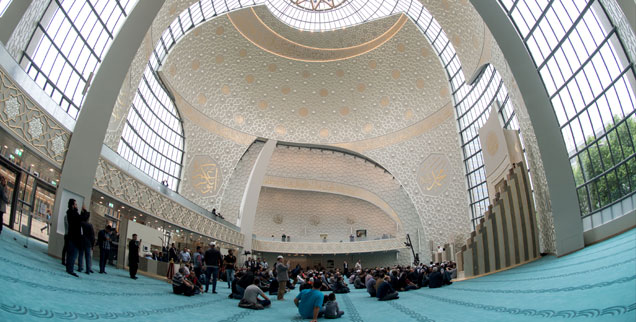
[
  {"x": 152, "y": 138},
  {"x": 473, "y": 110},
  {"x": 472, "y": 106},
  {"x": 68, "y": 45},
  {"x": 591, "y": 84}
]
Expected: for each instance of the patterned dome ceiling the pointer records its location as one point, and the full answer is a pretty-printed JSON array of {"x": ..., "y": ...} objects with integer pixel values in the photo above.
[{"x": 329, "y": 87}]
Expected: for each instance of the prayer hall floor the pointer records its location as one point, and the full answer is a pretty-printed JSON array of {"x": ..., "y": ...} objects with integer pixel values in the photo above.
[{"x": 597, "y": 283}]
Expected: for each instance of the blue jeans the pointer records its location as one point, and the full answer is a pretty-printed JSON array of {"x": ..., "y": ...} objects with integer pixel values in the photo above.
[
  {"x": 71, "y": 256},
  {"x": 230, "y": 276},
  {"x": 214, "y": 271}
]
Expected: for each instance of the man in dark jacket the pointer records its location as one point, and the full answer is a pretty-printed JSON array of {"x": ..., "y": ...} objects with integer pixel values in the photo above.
[
  {"x": 88, "y": 240},
  {"x": 133, "y": 256},
  {"x": 74, "y": 219},
  {"x": 213, "y": 261},
  {"x": 4, "y": 200},
  {"x": 435, "y": 279},
  {"x": 385, "y": 290},
  {"x": 103, "y": 241},
  {"x": 173, "y": 254}
]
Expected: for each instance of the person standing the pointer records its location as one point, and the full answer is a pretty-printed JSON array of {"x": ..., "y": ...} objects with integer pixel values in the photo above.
[
  {"x": 358, "y": 265},
  {"x": 74, "y": 218},
  {"x": 103, "y": 241},
  {"x": 173, "y": 254},
  {"x": 88, "y": 240},
  {"x": 185, "y": 256},
  {"x": 133, "y": 256},
  {"x": 230, "y": 264},
  {"x": 346, "y": 268},
  {"x": 4, "y": 200},
  {"x": 282, "y": 276},
  {"x": 213, "y": 261},
  {"x": 198, "y": 262}
]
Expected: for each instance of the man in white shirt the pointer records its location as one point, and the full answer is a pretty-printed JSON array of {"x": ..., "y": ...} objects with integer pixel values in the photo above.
[{"x": 185, "y": 255}]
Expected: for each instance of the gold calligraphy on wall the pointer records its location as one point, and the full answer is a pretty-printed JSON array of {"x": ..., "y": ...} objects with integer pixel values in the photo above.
[
  {"x": 432, "y": 176},
  {"x": 205, "y": 175}
]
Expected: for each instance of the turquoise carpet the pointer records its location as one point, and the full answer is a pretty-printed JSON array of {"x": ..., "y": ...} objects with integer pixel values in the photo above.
[{"x": 594, "y": 284}]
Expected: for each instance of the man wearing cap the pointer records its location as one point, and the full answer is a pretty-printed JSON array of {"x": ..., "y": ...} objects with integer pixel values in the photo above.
[
  {"x": 212, "y": 260},
  {"x": 281, "y": 276}
]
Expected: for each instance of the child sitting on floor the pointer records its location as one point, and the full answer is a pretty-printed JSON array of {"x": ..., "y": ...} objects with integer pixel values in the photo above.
[{"x": 332, "y": 311}]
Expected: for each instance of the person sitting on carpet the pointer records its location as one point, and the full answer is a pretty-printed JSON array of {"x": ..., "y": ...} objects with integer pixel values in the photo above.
[
  {"x": 250, "y": 298},
  {"x": 332, "y": 311},
  {"x": 181, "y": 285},
  {"x": 435, "y": 279},
  {"x": 371, "y": 286},
  {"x": 339, "y": 286},
  {"x": 309, "y": 302},
  {"x": 358, "y": 282},
  {"x": 246, "y": 280},
  {"x": 385, "y": 291},
  {"x": 192, "y": 277}
]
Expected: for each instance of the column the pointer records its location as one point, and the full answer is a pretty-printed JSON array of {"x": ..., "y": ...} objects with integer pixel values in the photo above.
[
  {"x": 247, "y": 211},
  {"x": 568, "y": 226},
  {"x": 80, "y": 164}
]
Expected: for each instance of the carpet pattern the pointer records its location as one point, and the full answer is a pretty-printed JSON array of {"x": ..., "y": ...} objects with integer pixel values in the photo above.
[{"x": 597, "y": 283}]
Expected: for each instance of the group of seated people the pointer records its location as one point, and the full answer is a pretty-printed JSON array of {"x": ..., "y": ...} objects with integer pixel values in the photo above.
[
  {"x": 384, "y": 283},
  {"x": 251, "y": 285},
  {"x": 185, "y": 281}
]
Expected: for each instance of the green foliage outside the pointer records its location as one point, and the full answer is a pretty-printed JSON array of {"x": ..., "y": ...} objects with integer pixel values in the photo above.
[{"x": 616, "y": 148}]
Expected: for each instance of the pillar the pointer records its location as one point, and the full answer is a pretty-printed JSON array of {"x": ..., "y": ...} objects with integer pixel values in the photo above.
[
  {"x": 247, "y": 211},
  {"x": 80, "y": 164}
]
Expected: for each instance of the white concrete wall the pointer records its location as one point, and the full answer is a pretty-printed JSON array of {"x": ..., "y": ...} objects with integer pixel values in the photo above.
[{"x": 304, "y": 215}]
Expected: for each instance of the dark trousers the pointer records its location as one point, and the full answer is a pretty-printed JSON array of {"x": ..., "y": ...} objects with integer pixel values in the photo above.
[
  {"x": 214, "y": 272},
  {"x": 198, "y": 271},
  {"x": 1, "y": 221},
  {"x": 390, "y": 296},
  {"x": 132, "y": 268},
  {"x": 103, "y": 257},
  {"x": 85, "y": 257},
  {"x": 65, "y": 250},
  {"x": 71, "y": 255},
  {"x": 184, "y": 289},
  {"x": 264, "y": 303}
]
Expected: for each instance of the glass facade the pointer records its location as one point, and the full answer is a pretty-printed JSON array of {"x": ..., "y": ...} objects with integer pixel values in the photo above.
[
  {"x": 68, "y": 45},
  {"x": 152, "y": 138},
  {"x": 591, "y": 84},
  {"x": 472, "y": 106}
]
